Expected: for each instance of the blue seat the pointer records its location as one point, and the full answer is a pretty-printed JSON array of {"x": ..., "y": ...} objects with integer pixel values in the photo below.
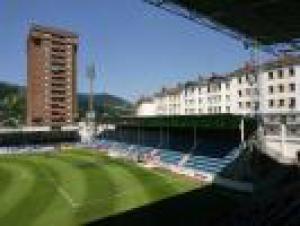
[
  {"x": 170, "y": 157},
  {"x": 206, "y": 164}
]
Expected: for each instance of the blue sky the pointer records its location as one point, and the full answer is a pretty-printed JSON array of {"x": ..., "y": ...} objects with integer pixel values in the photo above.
[{"x": 136, "y": 48}]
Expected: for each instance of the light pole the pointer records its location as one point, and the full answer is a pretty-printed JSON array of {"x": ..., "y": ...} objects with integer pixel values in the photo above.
[
  {"x": 91, "y": 75},
  {"x": 283, "y": 134},
  {"x": 258, "y": 91}
]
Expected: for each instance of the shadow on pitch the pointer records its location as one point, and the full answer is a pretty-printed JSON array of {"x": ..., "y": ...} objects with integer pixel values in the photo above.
[{"x": 203, "y": 206}]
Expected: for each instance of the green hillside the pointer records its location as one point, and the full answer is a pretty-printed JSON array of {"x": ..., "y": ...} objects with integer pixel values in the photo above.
[
  {"x": 13, "y": 104},
  {"x": 105, "y": 104}
]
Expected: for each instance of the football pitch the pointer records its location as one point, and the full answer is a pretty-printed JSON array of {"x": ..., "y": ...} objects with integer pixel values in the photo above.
[{"x": 77, "y": 186}]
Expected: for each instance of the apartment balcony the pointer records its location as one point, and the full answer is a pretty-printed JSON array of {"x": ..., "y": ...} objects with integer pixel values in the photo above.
[
  {"x": 58, "y": 54},
  {"x": 58, "y": 120},
  {"x": 58, "y": 95},
  {"x": 57, "y": 113},
  {"x": 58, "y": 63},
  {"x": 58, "y": 60},
  {"x": 63, "y": 40},
  {"x": 58, "y": 92},
  {"x": 58, "y": 41},
  {"x": 58, "y": 99},
  {"x": 58, "y": 106},
  {"x": 58, "y": 49},
  {"x": 59, "y": 78},
  {"x": 59, "y": 72},
  {"x": 58, "y": 69},
  {"x": 58, "y": 85}
]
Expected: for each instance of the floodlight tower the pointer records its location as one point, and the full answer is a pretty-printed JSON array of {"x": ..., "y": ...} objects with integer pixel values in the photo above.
[
  {"x": 90, "y": 116},
  {"x": 91, "y": 75}
]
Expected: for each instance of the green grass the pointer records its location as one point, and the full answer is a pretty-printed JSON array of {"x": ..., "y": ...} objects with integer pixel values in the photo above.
[{"x": 76, "y": 187}]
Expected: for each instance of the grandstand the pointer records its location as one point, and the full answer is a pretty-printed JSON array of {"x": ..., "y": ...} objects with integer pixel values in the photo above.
[{"x": 176, "y": 144}]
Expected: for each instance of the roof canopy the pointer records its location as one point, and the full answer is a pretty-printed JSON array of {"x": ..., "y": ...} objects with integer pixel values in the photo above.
[
  {"x": 273, "y": 23},
  {"x": 204, "y": 122}
]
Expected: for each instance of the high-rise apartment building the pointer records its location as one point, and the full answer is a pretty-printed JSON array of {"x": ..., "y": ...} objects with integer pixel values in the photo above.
[{"x": 51, "y": 78}]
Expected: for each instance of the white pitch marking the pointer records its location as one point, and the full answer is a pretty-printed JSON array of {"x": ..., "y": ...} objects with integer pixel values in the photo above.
[
  {"x": 66, "y": 196},
  {"x": 62, "y": 192}
]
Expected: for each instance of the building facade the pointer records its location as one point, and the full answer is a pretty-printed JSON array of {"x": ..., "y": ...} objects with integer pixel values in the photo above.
[
  {"x": 147, "y": 108},
  {"x": 51, "y": 76},
  {"x": 273, "y": 88}
]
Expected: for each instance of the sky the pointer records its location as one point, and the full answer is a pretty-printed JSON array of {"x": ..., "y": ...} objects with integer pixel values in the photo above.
[{"x": 136, "y": 48}]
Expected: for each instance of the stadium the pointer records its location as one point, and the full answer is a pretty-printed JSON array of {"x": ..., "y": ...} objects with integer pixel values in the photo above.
[{"x": 177, "y": 169}]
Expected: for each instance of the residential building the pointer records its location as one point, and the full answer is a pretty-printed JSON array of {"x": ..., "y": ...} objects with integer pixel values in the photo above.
[
  {"x": 147, "y": 108},
  {"x": 273, "y": 88},
  {"x": 51, "y": 83}
]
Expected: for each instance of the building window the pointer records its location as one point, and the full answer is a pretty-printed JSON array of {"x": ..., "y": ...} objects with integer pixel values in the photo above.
[
  {"x": 37, "y": 42},
  {"x": 248, "y": 104},
  {"x": 271, "y": 89},
  {"x": 251, "y": 79},
  {"x": 271, "y": 103},
  {"x": 240, "y": 80},
  {"x": 292, "y": 87},
  {"x": 292, "y": 118},
  {"x": 281, "y": 103},
  {"x": 292, "y": 104},
  {"x": 248, "y": 92},
  {"x": 280, "y": 73},
  {"x": 254, "y": 78},
  {"x": 240, "y": 105},
  {"x": 281, "y": 88},
  {"x": 219, "y": 87},
  {"x": 256, "y": 106},
  {"x": 270, "y": 75},
  {"x": 228, "y": 109},
  {"x": 247, "y": 77},
  {"x": 240, "y": 93},
  {"x": 292, "y": 72}
]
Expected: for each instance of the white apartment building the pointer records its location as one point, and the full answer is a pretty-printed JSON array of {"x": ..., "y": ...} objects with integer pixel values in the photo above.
[
  {"x": 275, "y": 89},
  {"x": 147, "y": 107}
]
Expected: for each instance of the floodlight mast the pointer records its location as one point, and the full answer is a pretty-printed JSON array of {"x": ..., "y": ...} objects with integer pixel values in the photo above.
[
  {"x": 91, "y": 75},
  {"x": 90, "y": 115}
]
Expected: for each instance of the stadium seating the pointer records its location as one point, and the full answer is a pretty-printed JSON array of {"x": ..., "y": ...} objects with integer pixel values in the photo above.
[
  {"x": 209, "y": 164},
  {"x": 214, "y": 149},
  {"x": 170, "y": 157},
  {"x": 212, "y": 161}
]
